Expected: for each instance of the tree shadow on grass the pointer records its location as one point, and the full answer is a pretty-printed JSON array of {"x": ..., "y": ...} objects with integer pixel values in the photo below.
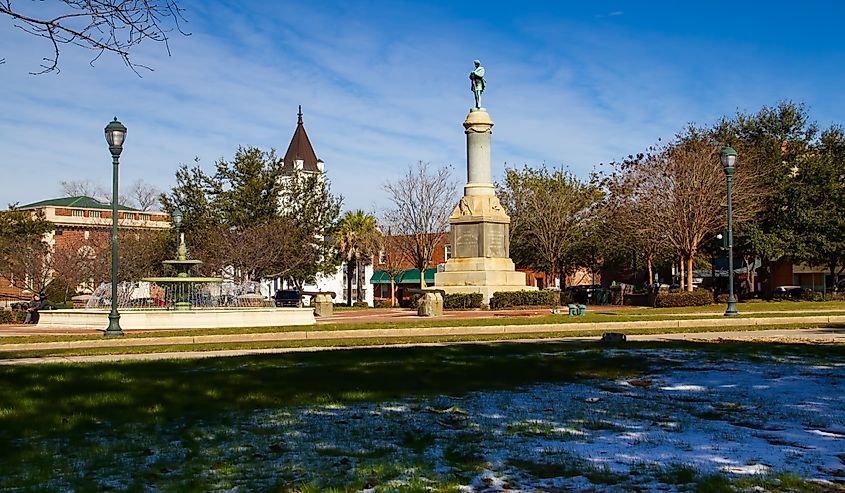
[{"x": 49, "y": 401}]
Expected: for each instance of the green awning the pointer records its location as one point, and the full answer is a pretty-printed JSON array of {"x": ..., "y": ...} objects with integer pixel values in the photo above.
[
  {"x": 412, "y": 276},
  {"x": 409, "y": 276},
  {"x": 380, "y": 277}
]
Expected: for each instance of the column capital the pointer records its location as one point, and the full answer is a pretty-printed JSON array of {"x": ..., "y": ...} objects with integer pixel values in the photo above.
[{"x": 478, "y": 121}]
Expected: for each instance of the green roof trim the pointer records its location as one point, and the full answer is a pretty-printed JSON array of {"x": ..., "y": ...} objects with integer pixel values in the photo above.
[{"x": 80, "y": 202}]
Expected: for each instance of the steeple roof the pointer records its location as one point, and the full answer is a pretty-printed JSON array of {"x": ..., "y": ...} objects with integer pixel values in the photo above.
[{"x": 300, "y": 148}]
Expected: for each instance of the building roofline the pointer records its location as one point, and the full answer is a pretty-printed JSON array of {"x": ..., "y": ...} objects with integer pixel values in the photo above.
[{"x": 78, "y": 202}]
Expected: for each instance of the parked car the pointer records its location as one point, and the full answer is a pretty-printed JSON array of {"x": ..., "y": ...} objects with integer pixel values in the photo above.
[
  {"x": 787, "y": 293},
  {"x": 288, "y": 297}
]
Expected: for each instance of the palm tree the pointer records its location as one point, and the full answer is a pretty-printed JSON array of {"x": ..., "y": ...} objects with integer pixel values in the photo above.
[{"x": 357, "y": 239}]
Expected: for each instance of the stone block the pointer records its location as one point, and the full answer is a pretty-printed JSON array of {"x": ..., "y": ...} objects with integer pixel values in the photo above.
[
  {"x": 323, "y": 305},
  {"x": 427, "y": 305},
  {"x": 438, "y": 304}
]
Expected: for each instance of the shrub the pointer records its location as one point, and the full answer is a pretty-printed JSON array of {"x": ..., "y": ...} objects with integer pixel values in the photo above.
[
  {"x": 58, "y": 291},
  {"x": 812, "y": 296},
  {"x": 410, "y": 302},
  {"x": 819, "y": 296},
  {"x": 565, "y": 298},
  {"x": 699, "y": 297},
  {"x": 381, "y": 304},
  {"x": 463, "y": 300},
  {"x": 12, "y": 317},
  {"x": 361, "y": 304},
  {"x": 509, "y": 299}
]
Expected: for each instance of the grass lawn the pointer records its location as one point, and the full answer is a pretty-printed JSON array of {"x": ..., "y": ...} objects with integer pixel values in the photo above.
[
  {"x": 755, "y": 306},
  {"x": 594, "y": 315},
  {"x": 366, "y": 342},
  {"x": 403, "y": 419}
]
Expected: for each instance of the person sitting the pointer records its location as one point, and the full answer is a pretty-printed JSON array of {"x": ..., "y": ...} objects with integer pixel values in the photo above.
[{"x": 37, "y": 304}]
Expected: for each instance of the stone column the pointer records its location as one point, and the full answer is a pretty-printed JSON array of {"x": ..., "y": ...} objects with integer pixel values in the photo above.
[{"x": 478, "y": 127}]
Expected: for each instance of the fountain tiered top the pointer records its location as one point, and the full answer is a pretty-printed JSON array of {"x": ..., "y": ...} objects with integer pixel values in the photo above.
[{"x": 181, "y": 283}]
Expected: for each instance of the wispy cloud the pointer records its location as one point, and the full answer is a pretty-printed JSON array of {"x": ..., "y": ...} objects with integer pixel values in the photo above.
[{"x": 378, "y": 93}]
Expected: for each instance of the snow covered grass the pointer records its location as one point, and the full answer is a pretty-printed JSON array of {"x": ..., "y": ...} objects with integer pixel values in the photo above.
[{"x": 544, "y": 417}]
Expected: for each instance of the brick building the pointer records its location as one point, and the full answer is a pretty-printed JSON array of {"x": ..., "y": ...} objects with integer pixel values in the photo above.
[{"x": 80, "y": 221}]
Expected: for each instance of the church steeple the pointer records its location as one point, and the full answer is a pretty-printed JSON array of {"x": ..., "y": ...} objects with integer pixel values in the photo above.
[{"x": 300, "y": 155}]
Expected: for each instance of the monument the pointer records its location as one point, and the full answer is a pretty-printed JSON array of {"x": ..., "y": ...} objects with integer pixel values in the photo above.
[{"x": 480, "y": 228}]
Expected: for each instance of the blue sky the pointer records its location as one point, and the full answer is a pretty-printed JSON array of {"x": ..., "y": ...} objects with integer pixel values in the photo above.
[{"x": 384, "y": 84}]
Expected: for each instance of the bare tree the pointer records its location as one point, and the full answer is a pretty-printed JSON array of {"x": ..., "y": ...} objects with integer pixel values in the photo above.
[
  {"x": 140, "y": 254},
  {"x": 139, "y": 193},
  {"x": 269, "y": 249},
  {"x": 29, "y": 261},
  {"x": 629, "y": 206},
  {"x": 24, "y": 250},
  {"x": 423, "y": 199},
  {"x": 679, "y": 190},
  {"x": 113, "y": 26},
  {"x": 86, "y": 187},
  {"x": 392, "y": 256},
  {"x": 143, "y": 195},
  {"x": 76, "y": 266}
]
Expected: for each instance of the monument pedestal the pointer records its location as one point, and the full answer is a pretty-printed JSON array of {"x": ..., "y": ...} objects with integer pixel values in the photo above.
[{"x": 480, "y": 228}]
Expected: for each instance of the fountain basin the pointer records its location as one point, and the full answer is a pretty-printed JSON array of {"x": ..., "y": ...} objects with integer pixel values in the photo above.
[
  {"x": 174, "y": 280},
  {"x": 177, "y": 319}
]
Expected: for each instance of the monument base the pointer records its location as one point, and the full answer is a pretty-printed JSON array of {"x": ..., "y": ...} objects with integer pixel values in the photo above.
[{"x": 483, "y": 275}]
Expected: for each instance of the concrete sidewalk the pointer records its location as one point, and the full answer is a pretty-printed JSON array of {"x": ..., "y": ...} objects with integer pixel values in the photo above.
[
  {"x": 478, "y": 330},
  {"x": 755, "y": 328},
  {"x": 814, "y": 335}
]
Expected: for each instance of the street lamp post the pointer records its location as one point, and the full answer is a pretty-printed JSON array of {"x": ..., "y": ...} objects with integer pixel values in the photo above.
[
  {"x": 177, "y": 222},
  {"x": 728, "y": 157},
  {"x": 115, "y": 135}
]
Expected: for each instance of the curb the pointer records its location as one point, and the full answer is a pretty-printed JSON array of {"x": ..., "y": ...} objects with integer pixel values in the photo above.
[{"x": 316, "y": 335}]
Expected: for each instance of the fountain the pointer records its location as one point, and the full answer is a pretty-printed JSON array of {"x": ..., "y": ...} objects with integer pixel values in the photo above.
[
  {"x": 181, "y": 301},
  {"x": 181, "y": 285}
]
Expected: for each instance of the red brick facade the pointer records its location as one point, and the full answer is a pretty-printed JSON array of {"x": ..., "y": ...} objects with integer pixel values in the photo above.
[{"x": 76, "y": 227}]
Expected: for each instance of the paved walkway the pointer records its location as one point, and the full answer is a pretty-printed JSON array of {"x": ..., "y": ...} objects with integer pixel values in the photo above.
[
  {"x": 722, "y": 330},
  {"x": 808, "y": 335},
  {"x": 387, "y": 315}
]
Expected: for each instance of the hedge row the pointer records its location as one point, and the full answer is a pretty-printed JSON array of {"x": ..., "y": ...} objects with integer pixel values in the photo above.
[
  {"x": 565, "y": 298},
  {"x": 12, "y": 317},
  {"x": 817, "y": 296},
  {"x": 463, "y": 300},
  {"x": 410, "y": 302},
  {"x": 508, "y": 299},
  {"x": 699, "y": 297}
]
